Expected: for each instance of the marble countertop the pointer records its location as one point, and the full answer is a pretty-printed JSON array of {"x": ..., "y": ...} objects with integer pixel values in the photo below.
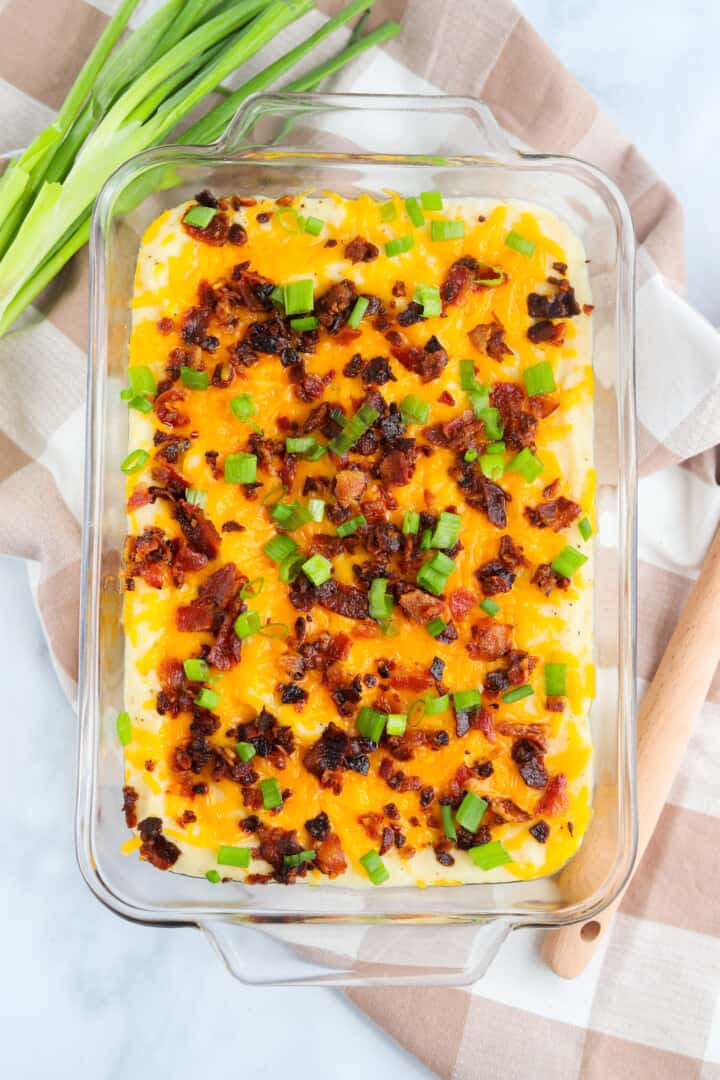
[{"x": 89, "y": 996}]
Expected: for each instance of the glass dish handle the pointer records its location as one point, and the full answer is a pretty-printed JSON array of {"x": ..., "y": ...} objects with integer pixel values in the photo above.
[
  {"x": 343, "y": 954},
  {"x": 394, "y": 124}
]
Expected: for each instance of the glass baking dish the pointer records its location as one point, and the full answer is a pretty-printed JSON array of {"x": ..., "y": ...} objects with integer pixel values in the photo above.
[{"x": 352, "y": 144}]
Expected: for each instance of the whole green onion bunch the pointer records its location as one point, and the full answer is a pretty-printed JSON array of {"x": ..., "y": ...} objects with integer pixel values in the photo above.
[{"x": 133, "y": 95}]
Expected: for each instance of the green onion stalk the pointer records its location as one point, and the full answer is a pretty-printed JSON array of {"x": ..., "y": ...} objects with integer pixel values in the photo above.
[{"x": 135, "y": 101}]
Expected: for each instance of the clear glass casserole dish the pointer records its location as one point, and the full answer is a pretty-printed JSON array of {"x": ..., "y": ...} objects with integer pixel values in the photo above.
[{"x": 271, "y": 933}]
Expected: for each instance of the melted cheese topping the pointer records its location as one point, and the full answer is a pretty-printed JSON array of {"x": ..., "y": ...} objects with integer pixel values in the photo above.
[{"x": 556, "y": 628}]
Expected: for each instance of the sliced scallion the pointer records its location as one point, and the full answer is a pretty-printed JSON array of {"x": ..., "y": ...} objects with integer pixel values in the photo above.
[
  {"x": 317, "y": 569},
  {"x": 520, "y": 243},
  {"x": 240, "y": 469},
  {"x": 471, "y": 811}
]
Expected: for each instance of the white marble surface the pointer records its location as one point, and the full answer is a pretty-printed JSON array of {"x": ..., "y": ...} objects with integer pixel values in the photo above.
[{"x": 88, "y": 996}]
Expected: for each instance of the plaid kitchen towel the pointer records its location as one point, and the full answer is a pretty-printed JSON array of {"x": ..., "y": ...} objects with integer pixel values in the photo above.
[{"x": 647, "y": 1004}]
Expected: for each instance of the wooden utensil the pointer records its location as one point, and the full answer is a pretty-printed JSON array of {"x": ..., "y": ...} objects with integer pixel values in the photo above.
[{"x": 666, "y": 719}]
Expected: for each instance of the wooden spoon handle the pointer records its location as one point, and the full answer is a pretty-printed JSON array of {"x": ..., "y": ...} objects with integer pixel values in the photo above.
[{"x": 665, "y": 722}]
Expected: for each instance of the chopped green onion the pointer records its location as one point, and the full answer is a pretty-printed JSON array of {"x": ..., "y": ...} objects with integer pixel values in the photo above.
[
  {"x": 431, "y": 200},
  {"x": 279, "y": 547},
  {"x": 470, "y": 455},
  {"x": 585, "y": 528},
  {"x": 364, "y": 418},
  {"x": 301, "y": 857},
  {"x": 435, "y": 627},
  {"x": 479, "y": 400},
  {"x": 271, "y": 794},
  {"x": 277, "y": 295},
  {"x": 411, "y": 522},
  {"x": 520, "y": 243},
  {"x": 291, "y": 566},
  {"x": 240, "y": 469},
  {"x": 290, "y": 516},
  {"x": 196, "y": 670},
  {"x": 352, "y": 525},
  {"x": 359, "y": 309},
  {"x": 274, "y": 630},
  {"x": 299, "y": 296},
  {"x": 370, "y": 723},
  {"x": 246, "y": 624},
  {"x": 495, "y": 448},
  {"x": 568, "y": 561},
  {"x": 243, "y": 407},
  {"x": 199, "y": 216},
  {"x": 517, "y": 693},
  {"x": 375, "y": 867},
  {"x": 314, "y": 225},
  {"x": 448, "y": 823},
  {"x": 425, "y": 539},
  {"x": 379, "y": 603},
  {"x": 468, "y": 377},
  {"x": 140, "y": 404},
  {"x": 412, "y": 208},
  {"x": 316, "y": 509},
  {"x": 279, "y": 489},
  {"x": 207, "y": 699},
  {"x": 447, "y": 230},
  {"x": 442, "y": 563},
  {"x": 447, "y": 530},
  {"x": 489, "y": 607},
  {"x": 233, "y": 856},
  {"x": 396, "y": 723},
  {"x": 399, "y": 245},
  {"x": 428, "y": 296},
  {"x": 414, "y": 410},
  {"x": 252, "y": 589},
  {"x": 194, "y": 380},
  {"x": 556, "y": 680},
  {"x": 307, "y": 322},
  {"x": 493, "y": 423},
  {"x": 466, "y": 699},
  {"x": 294, "y": 223},
  {"x": 488, "y": 856},
  {"x": 316, "y": 453},
  {"x": 471, "y": 811},
  {"x": 492, "y": 466},
  {"x": 212, "y": 876},
  {"x": 123, "y": 726},
  {"x": 196, "y": 496},
  {"x": 318, "y": 569},
  {"x": 142, "y": 380},
  {"x": 300, "y": 445},
  {"x": 526, "y": 464},
  {"x": 539, "y": 379},
  {"x": 245, "y": 751},
  {"x": 436, "y": 705},
  {"x": 431, "y": 579},
  {"x": 388, "y": 211},
  {"x": 134, "y": 461}
]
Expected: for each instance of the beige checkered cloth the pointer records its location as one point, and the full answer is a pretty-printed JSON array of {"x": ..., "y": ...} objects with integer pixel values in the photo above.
[{"x": 647, "y": 1006}]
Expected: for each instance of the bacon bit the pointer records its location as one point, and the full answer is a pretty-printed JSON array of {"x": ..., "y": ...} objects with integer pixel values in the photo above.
[
  {"x": 421, "y": 608},
  {"x": 329, "y": 856},
  {"x": 166, "y": 413},
  {"x": 540, "y": 831},
  {"x": 527, "y": 757},
  {"x": 561, "y": 267},
  {"x": 155, "y": 847},
  {"x": 461, "y": 601},
  {"x": 551, "y": 490},
  {"x": 319, "y": 826},
  {"x": 555, "y": 704},
  {"x": 556, "y": 514},
  {"x": 489, "y": 338},
  {"x": 129, "y": 806},
  {"x": 333, "y": 752},
  {"x": 232, "y": 527},
  {"x": 274, "y": 845},
  {"x": 542, "y": 405},
  {"x": 214, "y": 233},
  {"x": 251, "y": 289},
  {"x": 237, "y": 234},
  {"x": 558, "y": 305},
  {"x": 398, "y": 289},
  {"x": 334, "y": 306},
  {"x": 588, "y": 309},
  {"x": 359, "y": 250},
  {"x": 489, "y": 640},
  {"x": 370, "y": 822},
  {"x": 459, "y": 276},
  {"x": 387, "y": 839},
  {"x": 481, "y": 493},
  {"x": 284, "y": 200},
  {"x": 536, "y": 733},
  {"x": 510, "y": 400},
  {"x": 165, "y": 325},
  {"x": 548, "y": 579},
  {"x": 508, "y": 810},
  {"x": 427, "y": 362},
  {"x": 416, "y": 679},
  {"x": 460, "y": 434},
  {"x": 350, "y": 486},
  {"x": 199, "y": 531},
  {"x": 263, "y": 217},
  {"x": 139, "y": 497},
  {"x": 397, "y": 467},
  {"x": 547, "y": 333},
  {"x": 377, "y": 371},
  {"x": 554, "y": 801}
]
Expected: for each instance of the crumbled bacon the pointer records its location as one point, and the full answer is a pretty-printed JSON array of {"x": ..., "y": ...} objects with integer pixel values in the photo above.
[
  {"x": 546, "y": 332},
  {"x": 481, "y": 493},
  {"x": 498, "y": 575},
  {"x": 558, "y": 305},
  {"x": 252, "y": 289},
  {"x": 377, "y": 371},
  {"x": 199, "y": 531},
  {"x": 350, "y": 486},
  {"x": 461, "y": 433},
  {"x": 556, "y": 514},
  {"x": 214, "y": 596},
  {"x": 139, "y": 497},
  {"x": 273, "y": 845},
  {"x": 519, "y": 426},
  {"x": 415, "y": 679},
  {"x": 529, "y": 760},
  {"x": 413, "y": 313},
  {"x": 129, "y": 806},
  {"x": 155, "y": 847},
  {"x": 421, "y": 608},
  {"x": 518, "y": 666},
  {"x": 540, "y": 831},
  {"x": 335, "y": 751},
  {"x": 334, "y": 306},
  {"x": 460, "y": 602},
  {"x": 542, "y": 405},
  {"x": 548, "y": 579},
  {"x": 270, "y": 739},
  {"x": 489, "y": 338},
  {"x": 397, "y": 467},
  {"x": 458, "y": 278},
  {"x": 319, "y": 826},
  {"x": 427, "y": 362},
  {"x": 214, "y": 233},
  {"x": 489, "y": 640},
  {"x": 508, "y": 810},
  {"x": 166, "y": 412},
  {"x": 554, "y": 801},
  {"x": 536, "y": 733},
  {"x": 359, "y": 250},
  {"x": 330, "y": 857}
]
